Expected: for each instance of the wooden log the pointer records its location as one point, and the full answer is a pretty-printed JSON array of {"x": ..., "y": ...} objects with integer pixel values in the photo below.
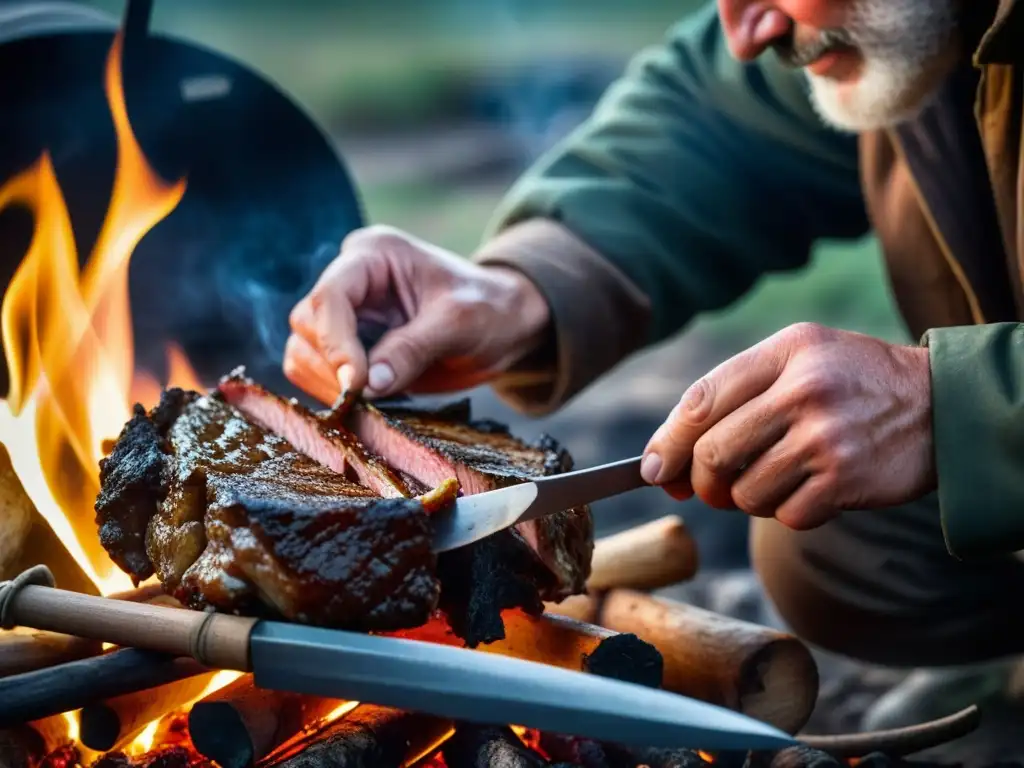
[
  {"x": 241, "y": 724},
  {"x": 23, "y": 746},
  {"x": 487, "y": 746},
  {"x": 369, "y": 736},
  {"x": 31, "y": 540},
  {"x": 25, "y": 650},
  {"x": 113, "y": 722},
  {"x": 764, "y": 673},
  {"x": 71, "y": 686},
  {"x": 650, "y": 556}
]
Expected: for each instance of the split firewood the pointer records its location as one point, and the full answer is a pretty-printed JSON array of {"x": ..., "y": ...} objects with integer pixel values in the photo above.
[
  {"x": 26, "y": 539},
  {"x": 23, "y": 746},
  {"x": 369, "y": 736},
  {"x": 113, "y": 722},
  {"x": 241, "y": 724},
  {"x": 764, "y": 673},
  {"x": 484, "y": 746},
  {"x": 650, "y": 556}
]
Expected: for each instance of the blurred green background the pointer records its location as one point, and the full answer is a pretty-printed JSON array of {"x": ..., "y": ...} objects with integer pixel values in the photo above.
[{"x": 438, "y": 104}]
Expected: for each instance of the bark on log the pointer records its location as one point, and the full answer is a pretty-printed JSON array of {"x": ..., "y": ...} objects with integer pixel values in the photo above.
[
  {"x": 476, "y": 746},
  {"x": 367, "y": 737},
  {"x": 26, "y": 539},
  {"x": 113, "y": 722},
  {"x": 766, "y": 674},
  {"x": 241, "y": 724},
  {"x": 70, "y": 686},
  {"x": 650, "y": 556},
  {"x": 22, "y": 746}
]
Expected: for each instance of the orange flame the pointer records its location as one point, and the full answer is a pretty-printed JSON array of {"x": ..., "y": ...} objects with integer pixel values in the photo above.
[{"x": 67, "y": 337}]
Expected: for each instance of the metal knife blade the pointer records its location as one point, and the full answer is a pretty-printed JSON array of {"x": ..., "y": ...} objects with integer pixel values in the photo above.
[
  {"x": 475, "y": 517},
  {"x": 478, "y": 687}
]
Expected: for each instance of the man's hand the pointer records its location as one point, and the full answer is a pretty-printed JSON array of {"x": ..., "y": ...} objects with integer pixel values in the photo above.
[
  {"x": 454, "y": 324},
  {"x": 804, "y": 425}
]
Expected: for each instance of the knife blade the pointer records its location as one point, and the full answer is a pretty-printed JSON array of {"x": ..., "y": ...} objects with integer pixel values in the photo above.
[
  {"x": 465, "y": 685},
  {"x": 445, "y": 681},
  {"x": 475, "y": 517}
]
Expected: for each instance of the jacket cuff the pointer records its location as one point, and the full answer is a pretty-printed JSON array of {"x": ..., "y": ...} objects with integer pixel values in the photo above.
[
  {"x": 977, "y": 417},
  {"x": 599, "y": 316}
]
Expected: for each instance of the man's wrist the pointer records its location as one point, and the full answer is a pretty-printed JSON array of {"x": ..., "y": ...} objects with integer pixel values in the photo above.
[{"x": 528, "y": 306}]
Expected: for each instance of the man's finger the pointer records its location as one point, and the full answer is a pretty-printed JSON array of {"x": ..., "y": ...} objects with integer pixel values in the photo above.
[
  {"x": 770, "y": 479},
  {"x": 307, "y": 370},
  {"x": 733, "y": 443},
  {"x": 337, "y": 337},
  {"x": 404, "y": 353},
  {"x": 808, "y": 507},
  {"x": 706, "y": 402}
]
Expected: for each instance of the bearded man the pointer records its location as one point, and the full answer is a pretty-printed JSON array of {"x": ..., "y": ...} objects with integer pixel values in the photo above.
[{"x": 885, "y": 482}]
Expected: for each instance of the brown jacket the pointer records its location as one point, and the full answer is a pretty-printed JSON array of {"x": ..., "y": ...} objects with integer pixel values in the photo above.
[{"x": 697, "y": 174}]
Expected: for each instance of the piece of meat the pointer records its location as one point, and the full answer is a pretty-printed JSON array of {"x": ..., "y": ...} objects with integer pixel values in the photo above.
[
  {"x": 241, "y": 521},
  {"x": 431, "y": 446},
  {"x": 332, "y": 445},
  {"x": 131, "y": 486}
]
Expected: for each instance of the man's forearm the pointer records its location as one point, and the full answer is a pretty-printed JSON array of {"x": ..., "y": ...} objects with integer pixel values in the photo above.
[{"x": 598, "y": 316}]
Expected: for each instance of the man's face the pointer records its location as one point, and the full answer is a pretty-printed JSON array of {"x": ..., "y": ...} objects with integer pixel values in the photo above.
[{"x": 870, "y": 63}]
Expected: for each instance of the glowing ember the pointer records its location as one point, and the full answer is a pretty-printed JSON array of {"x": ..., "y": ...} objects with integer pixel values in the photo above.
[{"x": 67, "y": 337}]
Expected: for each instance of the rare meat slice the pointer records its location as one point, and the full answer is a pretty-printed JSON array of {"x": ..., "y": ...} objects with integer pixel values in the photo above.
[
  {"x": 332, "y": 445},
  {"x": 243, "y": 522},
  {"x": 432, "y": 445}
]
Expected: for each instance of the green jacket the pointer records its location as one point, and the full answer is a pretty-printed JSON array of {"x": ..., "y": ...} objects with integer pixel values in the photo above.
[{"x": 697, "y": 174}]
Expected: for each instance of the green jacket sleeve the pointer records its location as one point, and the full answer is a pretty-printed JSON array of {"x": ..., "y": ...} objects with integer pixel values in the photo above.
[
  {"x": 694, "y": 176},
  {"x": 978, "y": 432}
]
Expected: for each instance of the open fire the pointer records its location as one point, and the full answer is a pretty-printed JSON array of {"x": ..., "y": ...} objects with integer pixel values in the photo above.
[{"x": 67, "y": 336}]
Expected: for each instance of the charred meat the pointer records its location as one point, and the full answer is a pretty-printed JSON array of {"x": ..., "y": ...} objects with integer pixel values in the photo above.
[
  {"x": 241, "y": 500},
  {"x": 242, "y": 521}
]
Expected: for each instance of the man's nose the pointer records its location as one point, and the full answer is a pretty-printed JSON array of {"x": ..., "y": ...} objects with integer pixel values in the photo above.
[{"x": 751, "y": 26}]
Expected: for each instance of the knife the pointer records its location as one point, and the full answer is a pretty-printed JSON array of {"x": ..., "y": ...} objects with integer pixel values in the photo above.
[
  {"x": 448, "y": 682},
  {"x": 475, "y": 517}
]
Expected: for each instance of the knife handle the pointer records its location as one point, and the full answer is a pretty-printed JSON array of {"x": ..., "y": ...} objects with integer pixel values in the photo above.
[{"x": 215, "y": 640}]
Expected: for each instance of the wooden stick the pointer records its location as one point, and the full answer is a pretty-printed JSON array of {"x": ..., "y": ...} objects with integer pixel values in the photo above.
[
  {"x": 25, "y": 650},
  {"x": 899, "y": 742},
  {"x": 761, "y": 672},
  {"x": 26, "y": 539},
  {"x": 650, "y": 556},
  {"x": 369, "y": 735},
  {"x": 114, "y": 722},
  {"x": 70, "y": 686},
  {"x": 241, "y": 724}
]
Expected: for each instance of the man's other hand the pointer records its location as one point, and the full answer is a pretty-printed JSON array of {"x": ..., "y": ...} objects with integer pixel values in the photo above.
[
  {"x": 454, "y": 324},
  {"x": 808, "y": 423}
]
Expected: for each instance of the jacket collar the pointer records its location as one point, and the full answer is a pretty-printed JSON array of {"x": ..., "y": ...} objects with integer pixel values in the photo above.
[{"x": 1001, "y": 41}]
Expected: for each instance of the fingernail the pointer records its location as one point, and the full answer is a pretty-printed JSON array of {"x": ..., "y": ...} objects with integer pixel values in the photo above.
[
  {"x": 345, "y": 377},
  {"x": 650, "y": 468},
  {"x": 381, "y": 377}
]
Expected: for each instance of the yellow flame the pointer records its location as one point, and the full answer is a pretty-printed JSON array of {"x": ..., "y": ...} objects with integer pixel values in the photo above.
[{"x": 67, "y": 337}]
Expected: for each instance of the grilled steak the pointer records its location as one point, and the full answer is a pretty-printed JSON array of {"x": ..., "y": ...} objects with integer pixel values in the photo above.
[
  {"x": 241, "y": 521},
  {"x": 244, "y": 501},
  {"x": 431, "y": 446}
]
